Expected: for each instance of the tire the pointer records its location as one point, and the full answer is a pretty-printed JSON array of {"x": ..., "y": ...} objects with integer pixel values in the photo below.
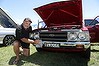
[
  {"x": 39, "y": 49},
  {"x": 86, "y": 54},
  {"x": 8, "y": 40}
]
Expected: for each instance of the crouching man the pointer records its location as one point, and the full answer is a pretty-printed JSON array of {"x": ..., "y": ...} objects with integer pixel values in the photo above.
[{"x": 22, "y": 39}]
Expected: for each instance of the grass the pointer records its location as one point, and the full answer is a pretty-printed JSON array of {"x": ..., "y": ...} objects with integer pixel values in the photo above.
[{"x": 7, "y": 56}]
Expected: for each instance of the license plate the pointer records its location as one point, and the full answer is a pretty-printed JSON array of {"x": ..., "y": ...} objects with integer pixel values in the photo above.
[{"x": 56, "y": 45}]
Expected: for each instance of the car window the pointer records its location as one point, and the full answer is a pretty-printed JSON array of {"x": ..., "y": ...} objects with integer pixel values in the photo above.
[
  {"x": 90, "y": 22},
  {"x": 4, "y": 21}
]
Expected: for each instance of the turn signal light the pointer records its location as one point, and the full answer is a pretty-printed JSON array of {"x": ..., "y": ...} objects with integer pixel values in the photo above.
[{"x": 79, "y": 46}]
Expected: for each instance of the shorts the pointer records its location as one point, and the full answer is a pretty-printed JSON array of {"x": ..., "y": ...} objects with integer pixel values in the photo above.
[{"x": 25, "y": 45}]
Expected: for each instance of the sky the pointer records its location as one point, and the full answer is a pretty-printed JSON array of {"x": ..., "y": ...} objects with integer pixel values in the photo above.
[{"x": 20, "y": 9}]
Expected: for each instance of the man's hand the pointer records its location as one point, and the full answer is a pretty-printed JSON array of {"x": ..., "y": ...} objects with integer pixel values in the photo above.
[{"x": 36, "y": 41}]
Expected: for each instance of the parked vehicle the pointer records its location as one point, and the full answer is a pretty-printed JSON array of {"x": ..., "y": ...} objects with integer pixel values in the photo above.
[
  {"x": 63, "y": 29},
  {"x": 7, "y": 28},
  {"x": 93, "y": 27},
  {"x": 7, "y": 36}
]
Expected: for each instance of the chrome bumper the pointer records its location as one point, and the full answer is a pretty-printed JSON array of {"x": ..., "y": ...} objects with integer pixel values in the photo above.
[{"x": 65, "y": 44}]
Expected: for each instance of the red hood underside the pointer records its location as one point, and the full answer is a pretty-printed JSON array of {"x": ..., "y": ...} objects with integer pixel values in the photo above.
[{"x": 61, "y": 13}]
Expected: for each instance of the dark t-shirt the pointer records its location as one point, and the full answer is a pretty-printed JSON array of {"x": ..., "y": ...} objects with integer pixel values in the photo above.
[{"x": 22, "y": 33}]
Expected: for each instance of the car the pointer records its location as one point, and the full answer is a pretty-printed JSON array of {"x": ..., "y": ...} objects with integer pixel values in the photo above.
[
  {"x": 63, "y": 29},
  {"x": 93, "y": 27},
  {"x": 7, "y": 36},
  {"x": 7, "y": 28}
]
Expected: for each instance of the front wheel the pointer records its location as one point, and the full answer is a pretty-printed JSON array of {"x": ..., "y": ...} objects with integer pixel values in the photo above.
[
  {"x": 8, "y": 40},
  {"x": 86, "y": 54}
]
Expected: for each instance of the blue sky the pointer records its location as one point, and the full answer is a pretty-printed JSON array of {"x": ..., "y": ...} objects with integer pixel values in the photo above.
[{"x": 19, "y": 9}]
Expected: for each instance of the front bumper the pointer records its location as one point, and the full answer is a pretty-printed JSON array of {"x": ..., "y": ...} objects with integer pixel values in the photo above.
[{"x": 66, "y": 45}]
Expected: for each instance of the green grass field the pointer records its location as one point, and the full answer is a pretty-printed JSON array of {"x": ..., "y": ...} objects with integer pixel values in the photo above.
[{"x": 7, "y": 56}]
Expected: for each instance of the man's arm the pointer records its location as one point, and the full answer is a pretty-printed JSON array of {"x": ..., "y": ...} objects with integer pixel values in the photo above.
[{"x": 30, "y": 41}]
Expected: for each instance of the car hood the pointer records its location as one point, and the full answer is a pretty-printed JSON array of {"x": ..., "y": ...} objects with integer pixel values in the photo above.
[{"x": 61, "y": 13}]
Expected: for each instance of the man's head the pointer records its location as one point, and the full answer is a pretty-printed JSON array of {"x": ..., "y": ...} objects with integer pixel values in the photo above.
[{"x": 26, "y": 23}]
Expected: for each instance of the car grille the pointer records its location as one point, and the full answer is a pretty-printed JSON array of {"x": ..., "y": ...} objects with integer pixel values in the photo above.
[{"x": 54, "y": 36}]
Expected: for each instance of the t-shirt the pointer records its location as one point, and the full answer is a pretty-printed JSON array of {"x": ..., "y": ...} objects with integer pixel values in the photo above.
[{"x": 22, "y": 33}]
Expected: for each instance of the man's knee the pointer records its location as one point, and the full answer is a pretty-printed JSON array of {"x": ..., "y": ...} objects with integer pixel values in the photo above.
[
  {"x": 16, "y": 43},
  {"x": 26, "y": 52}
]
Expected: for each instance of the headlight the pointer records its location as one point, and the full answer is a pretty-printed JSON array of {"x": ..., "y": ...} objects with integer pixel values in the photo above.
[
  {"x": 31, "y": 35},
  {"x": 82, "y": 36},
  {"x": 36, "y": 36},
  {"x": 72, "y": 36},
  {"x": 78, "y": 36}
]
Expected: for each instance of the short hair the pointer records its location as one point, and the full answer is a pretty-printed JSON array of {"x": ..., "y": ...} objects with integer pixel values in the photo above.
[{"x": 27, "y": 19}]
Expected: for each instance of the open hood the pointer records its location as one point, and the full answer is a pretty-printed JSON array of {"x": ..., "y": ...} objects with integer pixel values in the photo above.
[{"x": 61, "y": 13}]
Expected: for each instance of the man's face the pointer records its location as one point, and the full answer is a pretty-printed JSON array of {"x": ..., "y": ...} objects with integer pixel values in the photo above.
[{"x": 26, "y": 24}]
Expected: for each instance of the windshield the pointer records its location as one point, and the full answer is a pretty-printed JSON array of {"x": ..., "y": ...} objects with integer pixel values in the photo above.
[{"x": 4, "y": 21}]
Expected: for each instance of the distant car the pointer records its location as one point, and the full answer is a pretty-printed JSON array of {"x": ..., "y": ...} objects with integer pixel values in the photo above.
[
  {"x": 7, "y": 36},
  {"x": 93, "y": 27}
]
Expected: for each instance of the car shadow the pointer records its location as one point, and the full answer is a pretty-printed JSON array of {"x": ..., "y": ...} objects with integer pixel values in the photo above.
[
  {"x": 52, "y": 59},
  {"x": 1, "y": 45}
]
